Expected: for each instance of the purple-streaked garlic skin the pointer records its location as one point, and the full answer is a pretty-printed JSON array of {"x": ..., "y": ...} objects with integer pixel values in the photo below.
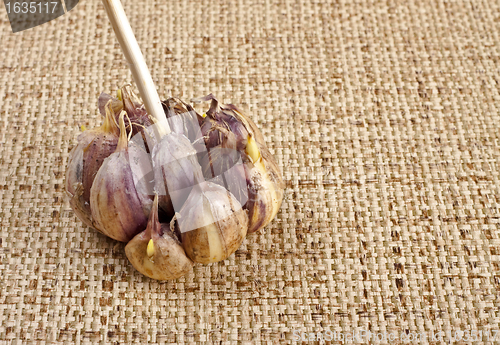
[
  {"x": 228, "y": 127},
  {"x": 136, "y": 111},
  {"x": 137, "y": 116},
  {"x": 237, "y": 128},
  {"x": 257, "y": 186},
  {"x": 222, "y": 128},
  {"x": 217, "y": 134},
  {"x": 168, "y": 261},
  {"x": 176, "y": 171},
  {"x": 212, "y": 223},
  {"x": 118, "y": 209},
  {"x": 246, "y": 122}
]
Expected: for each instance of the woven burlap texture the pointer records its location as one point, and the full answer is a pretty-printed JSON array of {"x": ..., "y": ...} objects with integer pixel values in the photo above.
[{"x": 383, "y": 116}]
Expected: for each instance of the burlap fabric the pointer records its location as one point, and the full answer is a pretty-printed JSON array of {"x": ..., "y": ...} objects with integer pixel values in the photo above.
[{"x": 383, "y": 115}]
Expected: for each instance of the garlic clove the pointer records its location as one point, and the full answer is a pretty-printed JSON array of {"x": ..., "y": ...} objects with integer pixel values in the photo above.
[
  {"x": 227, "y": 120},
  {"x": 256, "y": 183},
  {"x": 265, "y": 184},
  {"x": 212, "y": 223},
  {"x": 118, "y": 209},
  {"x": 86, "y": 158},
  {"x": 156, "y": 252},
  {"x": 141, "y": 164},
  {"x": 227, "y": 127}
]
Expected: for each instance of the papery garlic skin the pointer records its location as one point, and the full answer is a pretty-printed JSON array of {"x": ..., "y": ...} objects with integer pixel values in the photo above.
[
  {"x": 105, "y": 100},
  {"x": 137, "y": 117},
  {"x": 118, "y": 209},
  {"x": 156, "y": 252},
  {"x": 212, "y": 223}
]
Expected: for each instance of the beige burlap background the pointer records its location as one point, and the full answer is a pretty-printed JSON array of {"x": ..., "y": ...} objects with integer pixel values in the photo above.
[{"x": 383, "y": 116}]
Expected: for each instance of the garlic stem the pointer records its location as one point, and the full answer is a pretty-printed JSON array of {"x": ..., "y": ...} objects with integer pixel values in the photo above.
[{"x": 136, "y": 62}]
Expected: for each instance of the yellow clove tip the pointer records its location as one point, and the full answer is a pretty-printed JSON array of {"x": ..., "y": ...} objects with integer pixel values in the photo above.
[
  {"x": 204, "y": 115},
  {"x": 252, "y": 149},
  {"x": 83, "y": 128},
  {"x": 119, "y": 94},
  {"x": 151, "y": 248}
]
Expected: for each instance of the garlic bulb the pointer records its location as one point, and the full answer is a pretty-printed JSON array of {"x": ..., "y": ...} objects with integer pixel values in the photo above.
[
  {"x": 212, "y": 223},
  {"x": 156, "y": 252},
  {"x": 118, "y": 209},
  {"x": 85, "y": 160},
  {"x": 212, "y": 177}
]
